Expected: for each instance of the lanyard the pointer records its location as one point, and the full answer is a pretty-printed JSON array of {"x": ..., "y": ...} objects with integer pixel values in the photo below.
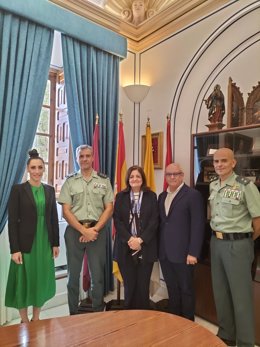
[
  {"x": 136, "y": 205},
  {"x": 135, "y": 213}
]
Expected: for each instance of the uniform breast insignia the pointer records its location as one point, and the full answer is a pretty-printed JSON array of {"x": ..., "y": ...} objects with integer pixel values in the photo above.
[
  {"x": 232, "y": 194},
  {"x": 102, "y": 175},
  {"x": 71, "y": 175},
  {"x": 243, "y": 180},
  {"x": 100, "y": 185}
]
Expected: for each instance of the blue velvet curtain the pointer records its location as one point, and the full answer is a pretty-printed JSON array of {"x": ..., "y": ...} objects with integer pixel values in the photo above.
[
  {"x": 25, "y": 53},
  {"x": 92, "y": 84}
]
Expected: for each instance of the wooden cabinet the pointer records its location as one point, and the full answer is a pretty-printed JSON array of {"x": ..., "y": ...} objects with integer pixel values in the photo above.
[{"x": 245, "y": 142}]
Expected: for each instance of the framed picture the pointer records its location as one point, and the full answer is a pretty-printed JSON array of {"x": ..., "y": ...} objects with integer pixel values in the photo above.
[
  {"x": 209, "y": 174},
  {"x": 157, "y": 147}
]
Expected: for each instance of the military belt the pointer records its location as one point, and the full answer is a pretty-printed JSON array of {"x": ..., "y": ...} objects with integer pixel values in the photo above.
[
  {"x": 231, "y": 236},
  {"x": 88, "y": 223}
]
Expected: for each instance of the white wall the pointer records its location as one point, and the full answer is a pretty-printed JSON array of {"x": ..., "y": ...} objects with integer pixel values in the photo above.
[{"x": 183, "y": 70}]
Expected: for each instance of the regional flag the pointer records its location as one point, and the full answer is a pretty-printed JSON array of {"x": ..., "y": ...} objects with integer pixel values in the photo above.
[
  {"x": 148, "y": 159},
  {"x": 168, "y": 157}
]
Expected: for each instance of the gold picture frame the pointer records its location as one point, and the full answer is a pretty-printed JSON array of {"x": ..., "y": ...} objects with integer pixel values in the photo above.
[{"x": 157, "y": 145}]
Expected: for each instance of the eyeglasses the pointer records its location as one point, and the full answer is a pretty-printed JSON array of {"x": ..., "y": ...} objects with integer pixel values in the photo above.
[{"x": 174, "y": 174}]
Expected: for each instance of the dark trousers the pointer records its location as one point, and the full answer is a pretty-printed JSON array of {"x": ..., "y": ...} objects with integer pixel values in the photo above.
[
  {"x": 231, "y": 263},
  {"x": 96, "y": 252},
  {"x": 136, "y": 279},
  {"x": 179, "y": 281}
]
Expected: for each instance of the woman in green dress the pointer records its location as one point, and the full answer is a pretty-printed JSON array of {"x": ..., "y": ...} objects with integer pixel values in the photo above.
[{"x": 34, "y": 242}]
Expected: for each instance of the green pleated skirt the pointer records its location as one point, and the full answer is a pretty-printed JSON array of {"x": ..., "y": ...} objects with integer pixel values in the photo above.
[{"x": 33, "y": 282}]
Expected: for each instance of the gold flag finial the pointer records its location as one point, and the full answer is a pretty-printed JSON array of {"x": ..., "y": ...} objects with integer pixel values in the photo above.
[
  {"x": 168, "y": 116},
  {"x": 148, "y": 122},
  {"x": 97, "y": 118},
  {"x": 120, "y": 115}
]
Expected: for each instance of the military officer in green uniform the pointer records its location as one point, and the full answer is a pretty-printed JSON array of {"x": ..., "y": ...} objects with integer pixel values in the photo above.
[
  {"x": 87, "y": 204},
  {"x": 235, "y": 222}
]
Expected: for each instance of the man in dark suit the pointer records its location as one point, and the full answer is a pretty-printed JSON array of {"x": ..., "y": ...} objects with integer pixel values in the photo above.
[{"x": 181, "y": 236}]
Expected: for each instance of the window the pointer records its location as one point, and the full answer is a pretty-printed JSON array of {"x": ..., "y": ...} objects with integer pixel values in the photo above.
[
  {"x": 63, "y": 153},
  {"x": 52, "y": 139}
]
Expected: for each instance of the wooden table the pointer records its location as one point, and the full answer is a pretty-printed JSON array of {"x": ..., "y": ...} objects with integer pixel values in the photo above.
[{"x": 112, "y": 328}]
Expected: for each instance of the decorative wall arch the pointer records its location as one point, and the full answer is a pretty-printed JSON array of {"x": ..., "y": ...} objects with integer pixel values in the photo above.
[
  {"x": 214, "y": 74},
  {"x": 207, "y": 82}
]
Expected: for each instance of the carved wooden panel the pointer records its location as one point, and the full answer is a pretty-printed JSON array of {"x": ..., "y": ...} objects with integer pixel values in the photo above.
[
  {"x": 253, "y": 106},
  {"x": 236, "y": 106}
]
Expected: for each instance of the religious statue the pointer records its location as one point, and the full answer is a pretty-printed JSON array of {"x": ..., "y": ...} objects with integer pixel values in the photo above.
[{"x": 216, "y": 105}]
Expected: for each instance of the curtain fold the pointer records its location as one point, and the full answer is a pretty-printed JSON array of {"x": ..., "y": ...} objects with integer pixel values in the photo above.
[
  {"x": 25, "y": 53},
  {"x": 92, "y": 84}
]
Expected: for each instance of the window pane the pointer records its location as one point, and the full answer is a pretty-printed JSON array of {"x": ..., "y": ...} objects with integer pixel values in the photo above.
[
  {"x": 46, "y": 99},
  {"x": 41, "y": 143},
  {"x": 44, "y": 121}
]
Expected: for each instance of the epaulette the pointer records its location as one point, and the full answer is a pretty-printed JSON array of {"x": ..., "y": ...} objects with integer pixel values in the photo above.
[
  {"x": 102, "y": 175},
  {"x": 213, "y": 178},
  {"x": 71, "y": 175},
  {"x": 243, "y": 180}
]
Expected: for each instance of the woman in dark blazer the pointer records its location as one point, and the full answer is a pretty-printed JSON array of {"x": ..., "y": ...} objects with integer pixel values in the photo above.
[
  {"x": 136, "y": 221},
  {"x": 34, "y": 241}
]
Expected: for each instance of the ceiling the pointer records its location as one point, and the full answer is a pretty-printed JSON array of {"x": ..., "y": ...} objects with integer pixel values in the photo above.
[{"x": 165, "y": 17}]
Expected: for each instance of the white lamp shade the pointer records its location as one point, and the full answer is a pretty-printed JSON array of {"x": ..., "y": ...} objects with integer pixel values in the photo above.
[{"x": 136, "y": 92}]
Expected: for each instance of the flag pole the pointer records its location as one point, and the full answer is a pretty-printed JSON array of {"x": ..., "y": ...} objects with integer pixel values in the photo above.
[
  {"x": 86, "y": 304},
  {"x": 120, "y": 116},
  {"x": 118, "y": 284},
  {"x": 117, "y": 304},
  {"x": 168, "y": 155}
]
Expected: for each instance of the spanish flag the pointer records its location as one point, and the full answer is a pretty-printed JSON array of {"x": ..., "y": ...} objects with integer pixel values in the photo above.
[
  {"x": 168, "y": 157},
  {"x": 148, "y": 159},
  {"x": 120, "y": 179},
  {"x": 149, "y": 173}
]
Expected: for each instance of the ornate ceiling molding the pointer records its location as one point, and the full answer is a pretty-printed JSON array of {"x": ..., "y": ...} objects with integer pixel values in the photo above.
[{"x": 173, "y": 15}]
